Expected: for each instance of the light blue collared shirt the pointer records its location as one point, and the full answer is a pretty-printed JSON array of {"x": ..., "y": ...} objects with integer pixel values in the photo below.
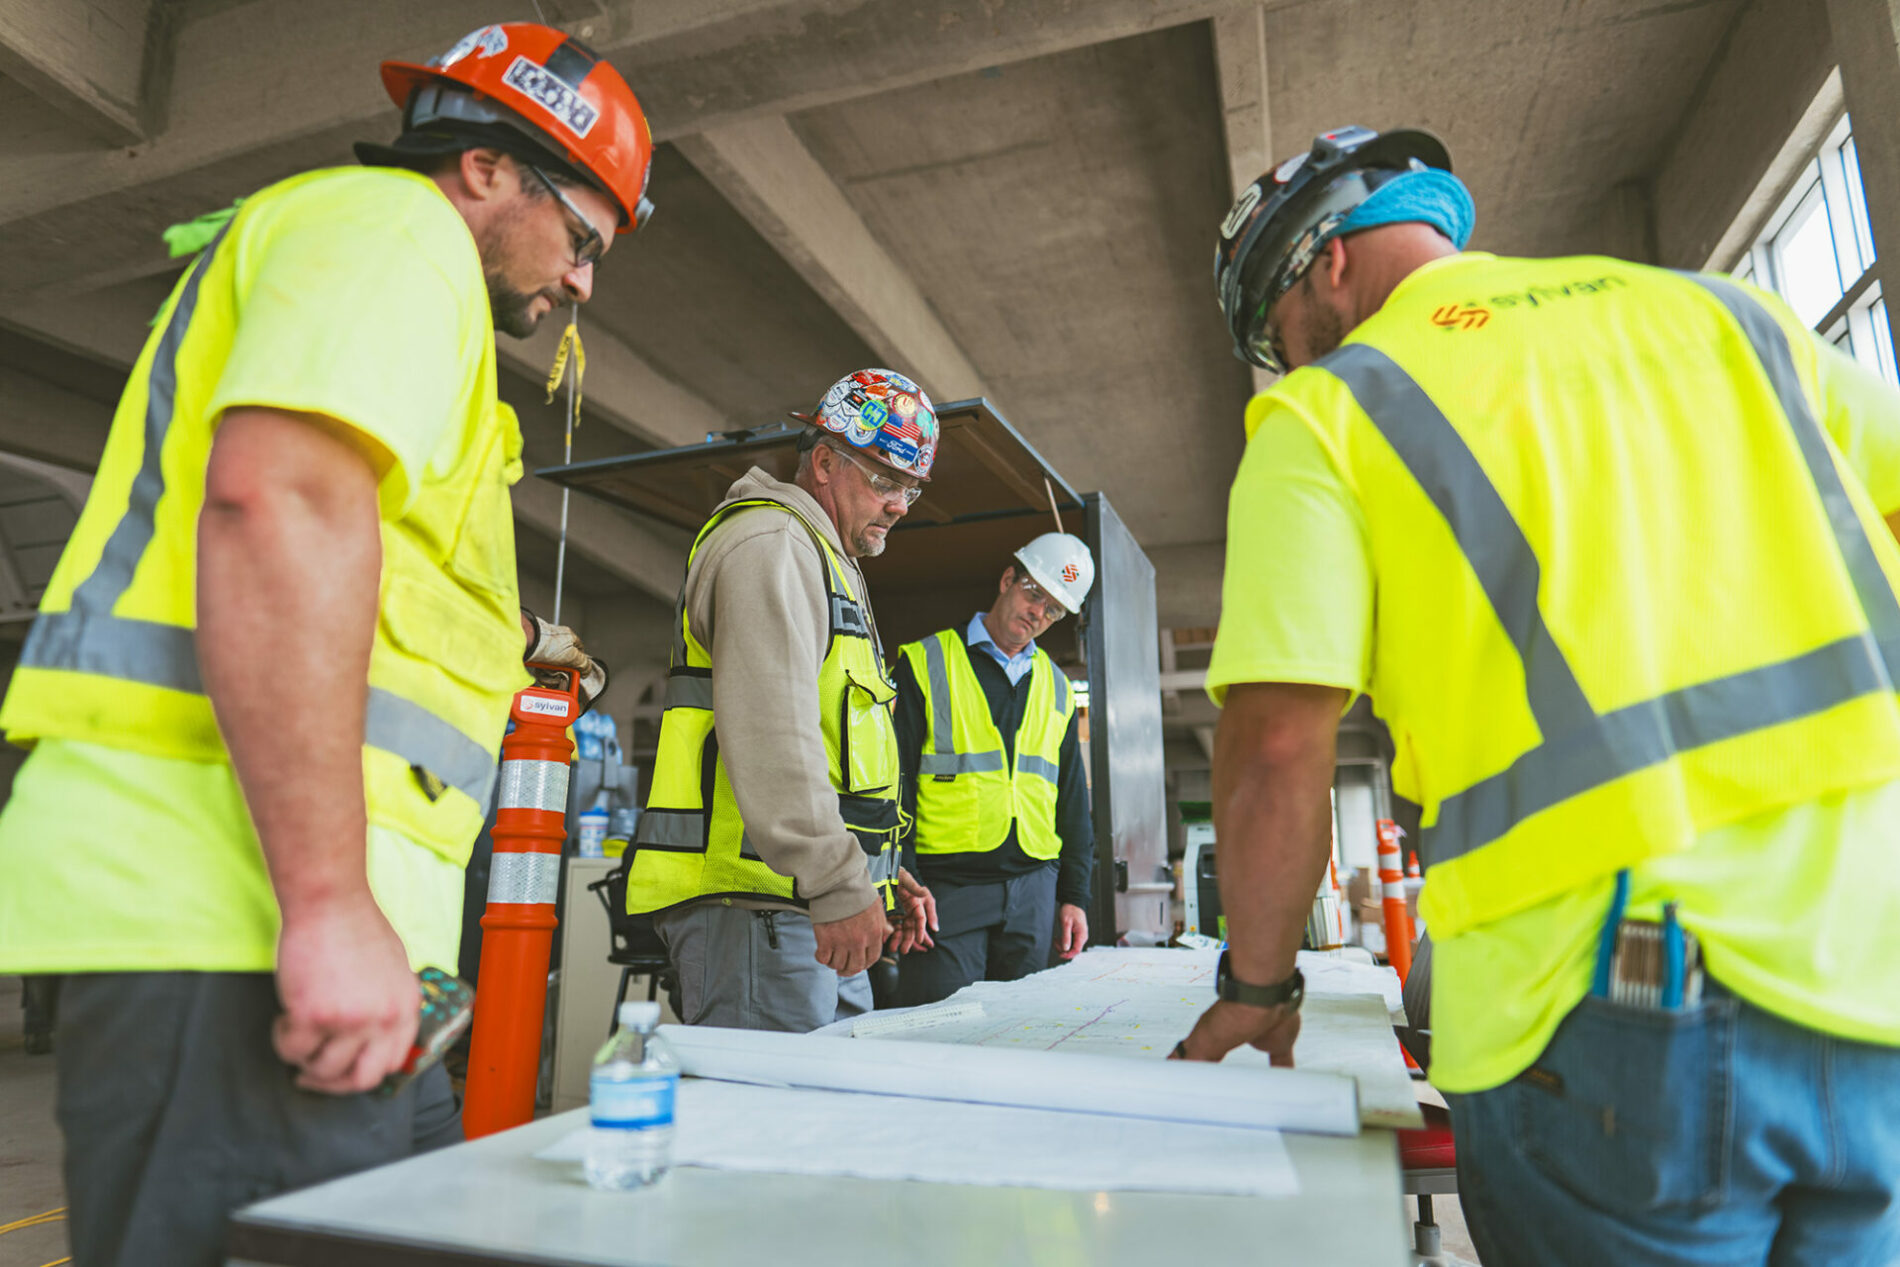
[{"x": 1014, "y": 666}]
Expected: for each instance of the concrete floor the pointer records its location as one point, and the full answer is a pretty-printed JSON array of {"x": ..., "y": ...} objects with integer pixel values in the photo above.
[
  {"x": 30, "y": 1156},
  {"x": 29, "y": 1145}
]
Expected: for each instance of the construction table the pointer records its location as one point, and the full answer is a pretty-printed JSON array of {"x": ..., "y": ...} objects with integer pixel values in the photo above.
[{"x": 493, "y": 1202}]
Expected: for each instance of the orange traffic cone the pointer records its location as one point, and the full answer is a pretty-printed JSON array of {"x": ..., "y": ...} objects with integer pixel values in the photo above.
[
  {"x": 1398, "y": 919},
  {"x": 518, "y": 930}
]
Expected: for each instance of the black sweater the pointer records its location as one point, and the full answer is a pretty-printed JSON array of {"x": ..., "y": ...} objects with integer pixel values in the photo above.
[{"x": 1073, "y": 824}]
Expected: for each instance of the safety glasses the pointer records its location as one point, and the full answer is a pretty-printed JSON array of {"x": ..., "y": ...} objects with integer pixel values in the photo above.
[
  {"x": 588, "y": 246},
  {"x": 1040, "y": 601},
  {"x": 883, "y": 485}
]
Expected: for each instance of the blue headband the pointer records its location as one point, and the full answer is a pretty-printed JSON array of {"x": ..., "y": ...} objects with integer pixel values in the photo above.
[{"x": 1432, "y": 197}]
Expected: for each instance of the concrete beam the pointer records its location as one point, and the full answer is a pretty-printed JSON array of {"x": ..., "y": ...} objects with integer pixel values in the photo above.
[
  {"x": 1867, "y": 42},
  {"x": 86, "y": 58},
  {"x": 620, "y": 386},
  {"x": 41, "y": 420},
  {"x": 1240, "y": 61},
  {"x": 1772, "y": 62},
  {"x": 765, "y": 171},
  {"x": 616, "y": 541},
  {"x": 237, "y": 121},
  {"x": 1188, "y": 584}
]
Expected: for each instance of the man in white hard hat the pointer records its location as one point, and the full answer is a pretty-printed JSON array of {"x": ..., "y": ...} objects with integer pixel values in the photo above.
[{"x": 999, "y": 799}]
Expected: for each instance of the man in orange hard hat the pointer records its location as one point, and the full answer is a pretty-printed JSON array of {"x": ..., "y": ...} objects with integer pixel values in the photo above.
[{"x": 277, "y": 656}]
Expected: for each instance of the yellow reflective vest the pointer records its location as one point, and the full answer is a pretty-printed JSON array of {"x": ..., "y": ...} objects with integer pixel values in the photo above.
[
  {"x": 112, "y": 658},
  {"x": 691, "y": 842},
  {"x": 1619, "y": 602},
  {"x": 967, "y": 796}
]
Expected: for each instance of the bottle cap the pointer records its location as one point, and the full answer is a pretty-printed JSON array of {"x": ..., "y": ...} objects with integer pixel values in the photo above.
[{"x": 639, "y": 1015}]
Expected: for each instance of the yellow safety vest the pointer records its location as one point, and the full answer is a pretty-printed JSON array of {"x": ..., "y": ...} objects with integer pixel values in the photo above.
[
  {"x": 966, "y": 798},
  {"x": 112, "y": 658},
  {"x": 1622, "y": 599},
  {"x": 691, "y": 843}
]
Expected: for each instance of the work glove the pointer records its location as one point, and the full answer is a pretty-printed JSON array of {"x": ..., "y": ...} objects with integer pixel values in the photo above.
[{"x": 560, "y": 646}]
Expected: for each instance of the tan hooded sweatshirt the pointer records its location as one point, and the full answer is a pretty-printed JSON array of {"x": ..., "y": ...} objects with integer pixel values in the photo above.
[{"x": 756, "y": 599}]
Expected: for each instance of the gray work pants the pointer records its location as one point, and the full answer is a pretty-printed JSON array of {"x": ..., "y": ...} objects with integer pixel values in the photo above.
[
  {"x": 176, "y": 1111},
  {"x": 998, "y": 931},
  {"x": 755, "y": 970}
]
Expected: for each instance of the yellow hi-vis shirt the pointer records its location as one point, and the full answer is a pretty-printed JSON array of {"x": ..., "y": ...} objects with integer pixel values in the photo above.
[
  {"x": 358, "y": 294},
  {"x": 1791, "y": 905}
]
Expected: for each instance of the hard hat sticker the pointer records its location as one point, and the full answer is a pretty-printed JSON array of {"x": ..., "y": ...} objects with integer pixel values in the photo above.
[
  {"x": 1249, "y": 199},
  {"x": 566, "y": 105},
  {"x": 489, "y": 40}
]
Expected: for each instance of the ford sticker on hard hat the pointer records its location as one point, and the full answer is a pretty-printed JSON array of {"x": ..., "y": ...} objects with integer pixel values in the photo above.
[{"x": 565, "y": 104}]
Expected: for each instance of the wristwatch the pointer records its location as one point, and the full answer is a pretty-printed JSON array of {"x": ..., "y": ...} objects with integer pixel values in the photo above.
[{"x": 1287, "y": 993}]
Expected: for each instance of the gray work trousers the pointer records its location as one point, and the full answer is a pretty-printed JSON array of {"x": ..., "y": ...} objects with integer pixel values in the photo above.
[
  {"x": 998, "y": 931},
  {"x": 176, "y": 1111},
  {"x": 755, "y": 970}
]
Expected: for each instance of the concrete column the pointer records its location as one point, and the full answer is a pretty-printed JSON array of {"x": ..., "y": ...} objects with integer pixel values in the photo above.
[{"x": 1867, "y": 44}]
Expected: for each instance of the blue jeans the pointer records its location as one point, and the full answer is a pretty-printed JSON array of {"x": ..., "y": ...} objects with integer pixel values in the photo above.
[{"x": 1719, "y": 1134}]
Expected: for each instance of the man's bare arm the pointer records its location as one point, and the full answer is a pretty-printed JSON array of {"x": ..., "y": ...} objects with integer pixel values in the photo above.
[
  {"x": 1273, "y": 764},
  {"x": 289, "y": 565}
]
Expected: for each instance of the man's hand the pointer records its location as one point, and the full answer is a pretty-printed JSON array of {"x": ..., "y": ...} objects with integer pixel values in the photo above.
[
  {"x": 1072, "y": 930},
  {"x": 350, "y": 1001},
  {"x": 848, "y": 946},
  {"x": 916, "y": 916},
  {"x": 560, "y": 646},
  {"x": 1226, "y": 1026}
]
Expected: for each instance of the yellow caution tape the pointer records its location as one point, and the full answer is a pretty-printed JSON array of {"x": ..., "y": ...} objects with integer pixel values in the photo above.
[{"x": 570, "y": 339}]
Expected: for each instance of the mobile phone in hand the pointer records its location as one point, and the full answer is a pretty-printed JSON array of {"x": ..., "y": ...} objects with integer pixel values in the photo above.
[{"x": 448, "y": 1005}]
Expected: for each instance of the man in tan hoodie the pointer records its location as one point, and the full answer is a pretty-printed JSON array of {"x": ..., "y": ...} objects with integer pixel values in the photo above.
[{"x": 768, "y": 853}]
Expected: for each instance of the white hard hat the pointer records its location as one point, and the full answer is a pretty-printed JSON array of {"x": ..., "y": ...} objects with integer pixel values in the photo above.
[{"x": 1062, "y": 566}]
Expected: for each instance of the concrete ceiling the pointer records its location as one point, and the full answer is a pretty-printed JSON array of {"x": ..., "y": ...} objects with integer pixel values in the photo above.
[{"x": 1013, "y": 197}]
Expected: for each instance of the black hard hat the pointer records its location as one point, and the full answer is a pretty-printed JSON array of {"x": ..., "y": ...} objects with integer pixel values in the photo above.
[{"x": 1280, "y": 222}]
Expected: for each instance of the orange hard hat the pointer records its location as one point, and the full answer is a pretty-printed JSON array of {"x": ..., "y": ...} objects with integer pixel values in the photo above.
[{"x": 546, "y": 84}]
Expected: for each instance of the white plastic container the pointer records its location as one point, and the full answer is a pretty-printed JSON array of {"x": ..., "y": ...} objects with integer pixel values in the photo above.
[{"x": 630, "y": 1100}]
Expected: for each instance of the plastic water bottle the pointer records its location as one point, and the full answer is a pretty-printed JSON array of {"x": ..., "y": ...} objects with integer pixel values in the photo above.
[{"x": 630, "y": 1097}]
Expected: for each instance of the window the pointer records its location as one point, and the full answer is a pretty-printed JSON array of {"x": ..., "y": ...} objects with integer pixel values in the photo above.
[{"x": 1818, "y": 254}]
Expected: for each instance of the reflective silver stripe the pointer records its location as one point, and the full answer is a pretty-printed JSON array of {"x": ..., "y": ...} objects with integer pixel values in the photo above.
[
  {"x": 883, "y": 868},
  {"x": 959, "y": 762},
  {"x": 1594, "y": 750},
  {"x": 1643, "y": 734},
  {"x": 1060, "y": 681},
  {"x": 689, "y": 690},
  {"x": 940, "y": 731},
  {"x": 847, "y": 617},
  {"x": 524, "y": 878},
  {"x": 1038, "y": 765},
  {"x": 533, "y": 785},
  {"x": 142, "y": 651},
  {"x": 678, "y": 829},
  {"x": 126, "y": 546},
  {"x": 154, "y": 654},
  {"x": 1765, "y": 335},
  {"x": 88, "y": 638},
  {"x": 419, "y": 737},
  {"x": 1448, "y": 471}
]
